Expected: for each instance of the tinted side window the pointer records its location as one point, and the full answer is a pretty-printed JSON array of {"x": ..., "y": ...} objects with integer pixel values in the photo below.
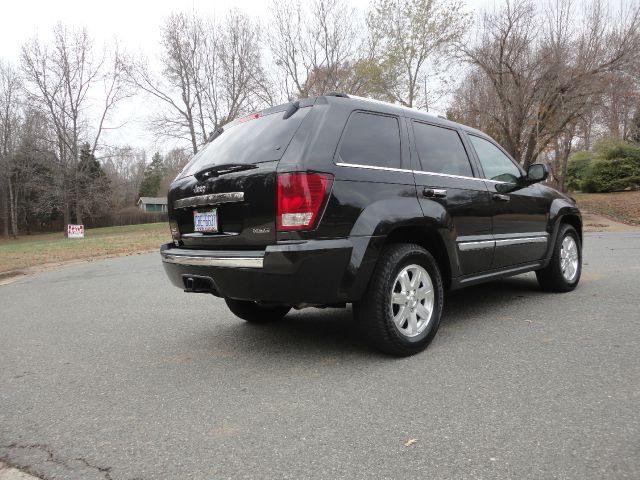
[
  {"x": 441, "y": 150},
  {"x": 496, "y": 165},
  {"x": 371, "y": 139}
]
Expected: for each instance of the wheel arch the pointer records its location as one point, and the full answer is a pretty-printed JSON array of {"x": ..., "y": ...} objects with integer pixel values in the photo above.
[
  {"x": 562, "y": 213},
  {"x": 396, "y": 220},
  {"x": 575, "y": 221},
  {"x": 431, "y": 241}
]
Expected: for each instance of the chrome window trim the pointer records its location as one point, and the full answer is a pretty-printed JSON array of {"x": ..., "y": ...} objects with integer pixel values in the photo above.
[
  {"x": 230, "y": 262},
  {"x": 418, "y": 172},
  {"x": 421, "y": 172},
  {"x": 211, "y": 199},
  {"x": 373, "y": 167}
]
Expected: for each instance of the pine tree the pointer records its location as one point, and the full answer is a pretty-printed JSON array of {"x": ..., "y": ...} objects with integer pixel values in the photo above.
[
  {"x": 94, "y": 194},
  {"x": 153, "y": 174}
]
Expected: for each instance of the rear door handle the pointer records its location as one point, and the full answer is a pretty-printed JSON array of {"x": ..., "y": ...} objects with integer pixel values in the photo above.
[
  {"x": 434, "y": 192},
  {"x": 501, "y": 198}
]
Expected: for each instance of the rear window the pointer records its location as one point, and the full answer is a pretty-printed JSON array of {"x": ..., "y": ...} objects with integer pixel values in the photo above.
[
  {"x": 441, "y": 151},
  {"x": 372, "y": 140},
  {"x": 255, "y": 140}
]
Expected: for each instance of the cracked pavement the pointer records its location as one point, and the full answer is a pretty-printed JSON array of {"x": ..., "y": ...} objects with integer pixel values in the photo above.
[{"x": 108, "y": 372}]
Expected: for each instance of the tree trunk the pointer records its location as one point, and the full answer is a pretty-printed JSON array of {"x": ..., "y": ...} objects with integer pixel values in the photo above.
[
  {"x": 78, "y": 213},
  {"x": 565, "y": 165},
  {"x": 66, "y": 215},
  {"x": 5, "y": 213},
  {"x": 13, "y": 211}
]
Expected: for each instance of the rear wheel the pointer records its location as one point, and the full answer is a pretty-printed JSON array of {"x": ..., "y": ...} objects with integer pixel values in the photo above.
[
  {"x": 563, "y": 272},
  {"x": 254, "y": 312},
  {"x": 401, "y": 309}
]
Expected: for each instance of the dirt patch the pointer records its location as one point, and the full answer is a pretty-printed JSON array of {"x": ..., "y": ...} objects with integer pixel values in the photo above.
[
  {"x": 11, "y": 274},
  {"x": 597, "y": 223},
  {"x": 623, "y": 207}
]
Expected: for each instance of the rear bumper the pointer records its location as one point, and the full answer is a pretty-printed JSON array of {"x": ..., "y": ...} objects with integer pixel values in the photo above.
[
  {"x": 210, "y": 259},
  {"x": 313, "y": 271}
]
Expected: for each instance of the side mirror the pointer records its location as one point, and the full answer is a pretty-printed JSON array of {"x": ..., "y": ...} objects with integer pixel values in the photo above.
[{"x": 537, "y": 172}]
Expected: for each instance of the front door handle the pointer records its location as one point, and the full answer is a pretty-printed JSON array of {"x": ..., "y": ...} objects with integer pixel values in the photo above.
[
  {"x": 500, "y": 197},
  {"x": 434, "y": 192}
]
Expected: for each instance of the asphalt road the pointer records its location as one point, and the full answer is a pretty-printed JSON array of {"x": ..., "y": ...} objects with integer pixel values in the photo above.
[{"x": 106, "y": 371}]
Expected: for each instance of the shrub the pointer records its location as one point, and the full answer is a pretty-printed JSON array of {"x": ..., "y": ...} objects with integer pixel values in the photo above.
[
  {"x": 577, "y": 170},
  {"x": 615, "y": 174},
  {"x": 614, "y": 166}
]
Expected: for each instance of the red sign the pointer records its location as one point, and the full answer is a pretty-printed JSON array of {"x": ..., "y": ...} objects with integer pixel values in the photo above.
[{"x": 75, "y": 231}]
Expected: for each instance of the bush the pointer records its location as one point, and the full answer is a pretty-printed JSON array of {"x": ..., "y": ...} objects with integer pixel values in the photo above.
[
  {"x": 577, "y": 170},
  {"x": 614, "y": 175},
  {"x": 127, "y": 216},
  {"x": 615, "y": 166}
]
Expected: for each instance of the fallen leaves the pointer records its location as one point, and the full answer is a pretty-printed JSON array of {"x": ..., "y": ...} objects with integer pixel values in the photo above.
[{"x": 621, "y": 206}]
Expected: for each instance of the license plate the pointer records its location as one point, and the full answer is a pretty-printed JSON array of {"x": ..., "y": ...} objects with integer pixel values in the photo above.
[{"x": 205, "y": 221}]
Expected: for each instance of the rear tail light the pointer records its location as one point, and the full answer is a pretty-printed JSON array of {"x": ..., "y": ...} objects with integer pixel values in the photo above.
[{"x": 300, "y": 199}]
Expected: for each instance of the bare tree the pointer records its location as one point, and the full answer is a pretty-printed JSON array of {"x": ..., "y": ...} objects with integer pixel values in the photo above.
[
  {"x": 315, "y": 46},
  {"x": 124, "y": 166},
  {"x": 10, "y": 100},
  {"x": 618, "y": 103},
  {"x": 536, "y": 72},
  {"x": 34, "y": 171},
  {"x": 211, "y": 74},
  {"x": 174, "y": 161},
  {"x": 412, "y": 38},
  {"x": 63, "y": 79}
]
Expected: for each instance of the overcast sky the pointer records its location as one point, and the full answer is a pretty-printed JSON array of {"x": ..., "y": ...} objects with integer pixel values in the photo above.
[{"x": 135, "y": 23}]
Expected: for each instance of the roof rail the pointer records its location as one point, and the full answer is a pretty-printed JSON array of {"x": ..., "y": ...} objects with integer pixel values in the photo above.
[{"x": 336, "y": 94}]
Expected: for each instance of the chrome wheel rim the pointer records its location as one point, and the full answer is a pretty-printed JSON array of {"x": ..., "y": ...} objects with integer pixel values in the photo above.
[
  {"x": 569, "y": 258},
  {"x": 412, "y": 299}
]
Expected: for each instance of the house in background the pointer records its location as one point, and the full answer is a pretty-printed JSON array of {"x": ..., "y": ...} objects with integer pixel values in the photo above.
[{"x": 153, "y": 204}]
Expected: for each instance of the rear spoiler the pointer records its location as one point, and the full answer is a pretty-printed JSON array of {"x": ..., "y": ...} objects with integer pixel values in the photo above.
[{"x": 289, "y": 109}]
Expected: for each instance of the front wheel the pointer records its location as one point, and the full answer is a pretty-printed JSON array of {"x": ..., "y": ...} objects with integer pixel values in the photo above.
[
  {"x": 563, "y": 272},
  {"x": 400, "y": 311},
  {"x": 254, "y": 312}
]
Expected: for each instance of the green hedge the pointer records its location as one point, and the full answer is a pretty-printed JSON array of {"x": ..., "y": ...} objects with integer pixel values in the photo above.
[{"x": 612, "y": 166}]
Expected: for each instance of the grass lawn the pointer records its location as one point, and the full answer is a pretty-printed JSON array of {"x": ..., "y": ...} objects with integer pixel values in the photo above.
[
  {"x": 35, "y": 250},
  {"x": 621, "y": 206}
]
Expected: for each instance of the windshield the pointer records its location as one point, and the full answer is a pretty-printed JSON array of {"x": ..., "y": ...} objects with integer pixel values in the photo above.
[{"x": 255, "y": 140}]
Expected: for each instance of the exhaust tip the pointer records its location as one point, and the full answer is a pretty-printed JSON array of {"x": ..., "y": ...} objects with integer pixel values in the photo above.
[{"x": 199, "y": 284}]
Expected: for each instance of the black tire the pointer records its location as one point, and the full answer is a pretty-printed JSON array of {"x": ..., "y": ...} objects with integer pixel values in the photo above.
[
  {"x": 551, "y": 278},
  {"x": 254, "y": 312},
  {"x": 374, "y": 312}
]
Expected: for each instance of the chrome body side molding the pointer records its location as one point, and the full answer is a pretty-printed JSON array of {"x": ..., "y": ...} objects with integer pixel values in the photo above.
[{"x": 502, "y": 242}]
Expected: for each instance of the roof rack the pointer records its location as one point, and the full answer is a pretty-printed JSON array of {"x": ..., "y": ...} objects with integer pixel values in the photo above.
[{"x": 373, "y": 100}]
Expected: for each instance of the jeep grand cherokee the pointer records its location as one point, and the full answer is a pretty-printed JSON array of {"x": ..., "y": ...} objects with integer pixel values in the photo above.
[{"x": 335, "y": 199}]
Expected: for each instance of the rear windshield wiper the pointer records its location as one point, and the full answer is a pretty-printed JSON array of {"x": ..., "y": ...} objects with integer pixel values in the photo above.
[{"x": 217, "y": 170}]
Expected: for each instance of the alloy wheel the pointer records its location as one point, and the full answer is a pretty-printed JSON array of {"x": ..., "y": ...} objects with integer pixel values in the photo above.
[{"x": 412, "y": 300}]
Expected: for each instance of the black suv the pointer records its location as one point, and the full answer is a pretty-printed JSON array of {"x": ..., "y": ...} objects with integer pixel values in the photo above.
[{"x": 337, "y": 199}]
